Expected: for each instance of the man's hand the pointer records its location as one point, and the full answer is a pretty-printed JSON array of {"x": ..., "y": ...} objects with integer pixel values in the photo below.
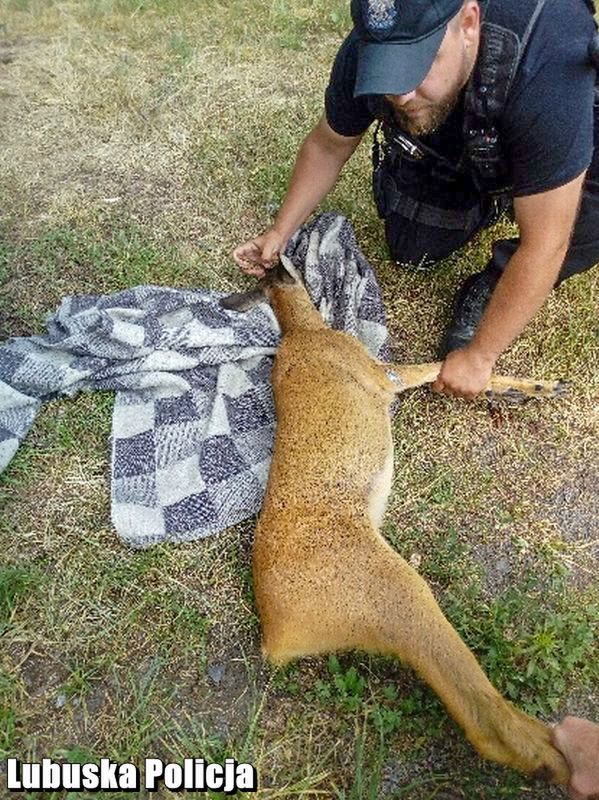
[
  {"x": 465, "y": 373},
  {"x": 578, "y": 741},
  {"x": 317, "y": 167},
  {"x": 257, "y": 255}
]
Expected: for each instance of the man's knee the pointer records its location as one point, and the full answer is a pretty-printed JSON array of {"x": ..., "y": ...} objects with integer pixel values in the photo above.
[{"x": 583, "y": 253}]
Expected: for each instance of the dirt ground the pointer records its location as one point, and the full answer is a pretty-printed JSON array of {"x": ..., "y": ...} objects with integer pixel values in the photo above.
[{"x": 141, "y": 141}]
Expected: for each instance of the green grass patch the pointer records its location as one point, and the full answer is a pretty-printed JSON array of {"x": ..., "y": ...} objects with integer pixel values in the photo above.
[
  {"x": 147, "y": 139},
  {"x": 16, "y": 583},
  {"x": 8, "y": 725},
  {"x": 4, "y": 253},
  {"x": 532, "y": 640}
]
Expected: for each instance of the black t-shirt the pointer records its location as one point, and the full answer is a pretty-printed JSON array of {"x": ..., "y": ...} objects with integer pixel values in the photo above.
[{"x": 547, "y": 126}]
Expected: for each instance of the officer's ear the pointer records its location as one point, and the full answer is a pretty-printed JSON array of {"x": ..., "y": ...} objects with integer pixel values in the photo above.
[{"x": 468, "y": 20}]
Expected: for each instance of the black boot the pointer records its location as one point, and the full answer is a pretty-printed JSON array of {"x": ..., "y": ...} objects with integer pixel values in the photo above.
[{"x": 469, "y": 305}]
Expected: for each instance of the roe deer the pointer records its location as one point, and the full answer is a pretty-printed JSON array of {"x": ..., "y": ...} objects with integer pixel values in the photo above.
[{"x": 324, "y": 577}]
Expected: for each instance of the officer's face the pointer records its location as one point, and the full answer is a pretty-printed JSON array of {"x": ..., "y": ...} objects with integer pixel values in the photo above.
[{"x": 423, "y": 110}]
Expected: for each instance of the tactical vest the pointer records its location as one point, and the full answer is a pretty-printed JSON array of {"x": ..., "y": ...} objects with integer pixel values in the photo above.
[{"x": 404, "y": 167}]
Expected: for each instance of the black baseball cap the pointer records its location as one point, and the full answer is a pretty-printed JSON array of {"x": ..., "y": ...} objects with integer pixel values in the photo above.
[{"x": 399, "y": 40}]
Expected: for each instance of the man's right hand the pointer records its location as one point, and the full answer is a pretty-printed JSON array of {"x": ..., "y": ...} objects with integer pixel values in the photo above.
[
  {"x": 257, "y": 255},
  {"x": 317, "y": 167}
]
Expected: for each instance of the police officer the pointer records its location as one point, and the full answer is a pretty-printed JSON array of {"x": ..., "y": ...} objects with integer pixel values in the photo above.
[{"x": 478, "y": 107}]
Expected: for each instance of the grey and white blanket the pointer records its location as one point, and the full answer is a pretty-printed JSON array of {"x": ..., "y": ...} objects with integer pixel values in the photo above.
[{"x": 193, "y": 421}]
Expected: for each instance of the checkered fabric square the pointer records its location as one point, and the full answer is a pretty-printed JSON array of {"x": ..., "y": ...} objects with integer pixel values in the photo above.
[{"x": 193, "y": 421}]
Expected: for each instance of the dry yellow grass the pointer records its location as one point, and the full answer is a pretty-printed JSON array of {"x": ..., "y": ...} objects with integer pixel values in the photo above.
[{"x": 142, "y": 140}]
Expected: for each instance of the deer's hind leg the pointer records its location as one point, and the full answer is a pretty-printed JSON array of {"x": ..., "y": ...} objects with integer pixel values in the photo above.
[
  {"x": 368, "y": 598},
  {"x": 409, "y": 376},
  {"x": 406, "y": 621},
  {"x": 313, "y": 610}
]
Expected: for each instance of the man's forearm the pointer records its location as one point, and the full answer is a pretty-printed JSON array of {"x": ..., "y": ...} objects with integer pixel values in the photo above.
[
  {"x": 521, "y": 291},
  {"x": 315, "y": 173},
  {"x": 546, "y": 223}
]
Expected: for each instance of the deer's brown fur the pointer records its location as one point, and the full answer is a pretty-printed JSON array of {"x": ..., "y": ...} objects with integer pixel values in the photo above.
[{"x": 324, "y": 578}]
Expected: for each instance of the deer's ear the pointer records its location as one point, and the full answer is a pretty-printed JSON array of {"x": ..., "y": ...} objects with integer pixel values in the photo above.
[
  {"x": 243, "y": 301},
  {"x": 286, "y": 272}
]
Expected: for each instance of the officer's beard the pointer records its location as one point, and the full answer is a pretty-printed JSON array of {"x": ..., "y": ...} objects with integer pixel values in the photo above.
[
  {"x": 434, "y": 114},
  {"x": 432, "y": 117}
]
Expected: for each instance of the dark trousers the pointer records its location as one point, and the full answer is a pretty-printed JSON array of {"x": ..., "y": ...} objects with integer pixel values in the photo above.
[{"x": 419, "y": 246}]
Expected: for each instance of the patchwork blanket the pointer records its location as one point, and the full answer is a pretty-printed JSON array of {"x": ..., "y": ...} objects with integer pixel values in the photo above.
[{"x": 193, "y": 422}]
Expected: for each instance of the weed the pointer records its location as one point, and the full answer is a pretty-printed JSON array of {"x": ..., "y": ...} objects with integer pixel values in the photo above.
[
  {"x": 147, "y": 138},
  {"x": 286, "y": 679},
  {"x": 347, "y": 687},
  {"x": 80, "y": 682},
  {"x": 368, "y": 763},
  {"x": 4, "y": 256},
  {"x": 16, "y": 582},
  {"x": 531, "y": 642},
  {"x": 77, "y": 755},
  {"x": 8, "y": 724}
]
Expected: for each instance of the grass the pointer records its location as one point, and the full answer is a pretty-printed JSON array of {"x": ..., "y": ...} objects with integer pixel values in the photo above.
[{"x": 147, "y": 139}]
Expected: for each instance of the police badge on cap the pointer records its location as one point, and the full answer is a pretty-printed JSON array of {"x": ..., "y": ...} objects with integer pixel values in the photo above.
[
  {"x": 379, "y": 15},
  {"x": 399, "y": 40}
]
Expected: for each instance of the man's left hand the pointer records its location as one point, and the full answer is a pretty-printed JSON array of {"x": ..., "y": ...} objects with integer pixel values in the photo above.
[{"x": 465, "y": 373}]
